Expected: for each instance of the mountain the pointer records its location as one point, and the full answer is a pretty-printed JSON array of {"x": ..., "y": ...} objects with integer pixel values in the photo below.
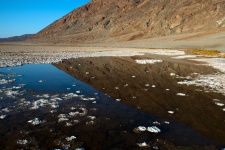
[
  {"x": 128, "y": 20},
  {"x": 16, "y": 38}
]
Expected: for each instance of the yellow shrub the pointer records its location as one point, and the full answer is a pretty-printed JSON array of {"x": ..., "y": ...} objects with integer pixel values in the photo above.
[{"x": 206, "y": 53}]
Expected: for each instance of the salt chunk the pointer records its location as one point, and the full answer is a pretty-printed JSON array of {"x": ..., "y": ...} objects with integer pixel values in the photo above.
[
  {"x": 181, "y": 94},
  {"x": 219, "y": 104},
  {"x": 91, "y": 117},
  {"x": 171, "y": 112},
  {"x": 141, "y": 128},
  {"x": 22, "y": 142},
  {"x": 172, "y": 74},
  {"x": 153, "y": 129},
  {"x": 147, "y": 85},
  {"x": 35, "y": 121},
  {"x": 70, "y": 138},
  {"x": 2, "y": 116},
  {"x": 153, "y": 86},
  {"x": 144, "y": 144}
]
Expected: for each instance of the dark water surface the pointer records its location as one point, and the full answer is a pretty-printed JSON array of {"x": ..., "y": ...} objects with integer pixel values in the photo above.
[{"x": 71, "y": 114}]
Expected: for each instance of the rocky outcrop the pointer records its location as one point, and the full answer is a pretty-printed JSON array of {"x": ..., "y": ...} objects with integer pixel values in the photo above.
[{"x": 124, "y": 20}]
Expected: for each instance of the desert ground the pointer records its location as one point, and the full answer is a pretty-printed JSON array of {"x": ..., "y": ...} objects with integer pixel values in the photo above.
[{"x": 153, "y": 77}]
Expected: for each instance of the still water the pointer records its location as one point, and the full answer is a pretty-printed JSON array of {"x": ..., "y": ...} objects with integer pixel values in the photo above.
[{"x": 42, "y": 107}]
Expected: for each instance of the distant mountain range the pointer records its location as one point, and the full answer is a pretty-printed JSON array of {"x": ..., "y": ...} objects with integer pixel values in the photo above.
[
  {"x": 16, "y": 38},
  {"x": 127, "y": 20}
]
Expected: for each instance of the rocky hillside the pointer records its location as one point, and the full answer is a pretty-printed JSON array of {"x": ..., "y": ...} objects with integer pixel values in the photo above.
[{"x": 126, "y": 20}]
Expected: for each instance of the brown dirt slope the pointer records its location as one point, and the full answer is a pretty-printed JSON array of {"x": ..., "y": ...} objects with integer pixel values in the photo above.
[{"x": 127, "y": 20}]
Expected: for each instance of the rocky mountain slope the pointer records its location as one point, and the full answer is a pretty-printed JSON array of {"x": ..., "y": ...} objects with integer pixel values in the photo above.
[{"x": 127, "y": 20}]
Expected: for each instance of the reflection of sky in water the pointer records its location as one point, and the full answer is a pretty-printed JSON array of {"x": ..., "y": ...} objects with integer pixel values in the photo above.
[{"x": 54, "y": 79}]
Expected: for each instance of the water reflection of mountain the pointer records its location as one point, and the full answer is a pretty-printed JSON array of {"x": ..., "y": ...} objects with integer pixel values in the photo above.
[{"x": 153, "y": 89}]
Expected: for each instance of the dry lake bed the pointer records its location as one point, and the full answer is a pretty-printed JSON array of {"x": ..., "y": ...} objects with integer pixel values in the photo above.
[{"x": 104, "y": 98}]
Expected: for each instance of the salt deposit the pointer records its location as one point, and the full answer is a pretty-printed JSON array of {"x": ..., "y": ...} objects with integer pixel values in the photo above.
[
  {"x": 167, "y": 52},
  {"x": 141, "y": 128},
  {"x": 171, "y": 112},
  {"x": 219, "y": 104},
  {"x": 144, "y": 144},
  {"x": 22, "y": 142},
  {"x": 181, "y": 94},
  {"x": 36, "y": 121},
  {"x": 148, "y": 61},
  {"x": 70, "y": 138},
  {"x": 153, "y": 129},
  {"x": 2, "y": 116}
]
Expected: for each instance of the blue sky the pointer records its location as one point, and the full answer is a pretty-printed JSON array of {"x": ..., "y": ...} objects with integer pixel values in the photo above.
[{"x": 18, "y": 17}]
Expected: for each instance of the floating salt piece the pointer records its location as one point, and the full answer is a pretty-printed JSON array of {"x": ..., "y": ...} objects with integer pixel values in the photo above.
[
  {"x": 147, "y": 85},
  {"x": 74, "y": 85},
  {"x": 223, "y": 109},
  {"x": 80, "y": 149},
  {"x": 35, "y": 121},
  {"x": 94, "y": 102},
  {"x": 172, "y": 74},
  {"x": 133, "y": 76},
  {"x": 74, "y": 113},
  {"x": 155, "y": 147},
  {"x": 167, "y": 89},
  {"x": 171, "y": 112},
  {"x": 92, "y": 77},
  {"x": 216, "y": 100},
  {"x": 78, "y": 92},
  {"x": 2, "y": 116},
  {"x": 87, "y": 73},
  {"x": 22, "y": 142},
  {"x": 153, "y": 129},
  {"x": 166, "y": 122},
  {"x": 69, "y": 124},
  {"x": 41, "y": 81},
  {"x": 157, "y": 123},
  {"x": 144, "y": 144},
  {"x": 219, "y": 104},
  {"x": 181, "y": 94},
  {"x": 70, "y": 138},
  {"x": 141, "y": 128},
  {"x": 91, "y": 117},
  {"x": 96, "y": 93},
  {"x": 117, "y": 88},
  {"x": 91, "y": 99},
  {"x": 62, "y": 119},
  {"x": 126, "y": 85},
  {"x": 6, "y": 110},
  {"x": 53, "y": 111},
  {"x": 46, "y": 96},
  {"x": 118, "y": 100},
  {"x": 68, "y": 88},
  {"x": 153, "y": 86},
  {"x": 90, "y": 123}
]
